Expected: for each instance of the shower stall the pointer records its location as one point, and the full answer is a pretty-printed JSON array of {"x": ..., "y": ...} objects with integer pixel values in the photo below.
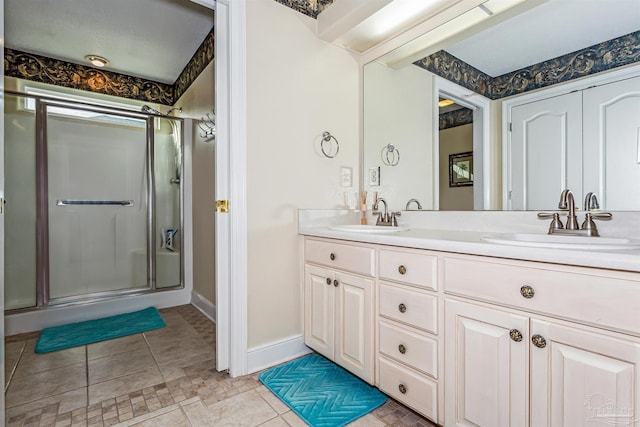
[{"x": 93, "y": 202}]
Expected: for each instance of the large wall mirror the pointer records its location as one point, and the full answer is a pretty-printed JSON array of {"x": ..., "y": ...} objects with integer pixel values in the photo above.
[{"x": 436, "y": 127}]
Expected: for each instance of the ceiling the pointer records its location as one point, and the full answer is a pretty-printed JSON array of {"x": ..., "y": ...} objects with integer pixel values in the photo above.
[
  {"x": 547, "y": 31},
  {"x": 151, "y": 39}
]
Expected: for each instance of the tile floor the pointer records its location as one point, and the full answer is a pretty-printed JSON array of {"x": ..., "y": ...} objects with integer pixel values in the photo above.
[{"x": 165, "y": 377}]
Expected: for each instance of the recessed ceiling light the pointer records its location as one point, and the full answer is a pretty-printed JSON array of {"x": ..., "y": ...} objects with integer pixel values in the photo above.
[{"x": 97, "y": 61}]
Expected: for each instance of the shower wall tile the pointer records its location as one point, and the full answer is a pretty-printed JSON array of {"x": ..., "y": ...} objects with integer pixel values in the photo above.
[{"x": 310, "y": 8}]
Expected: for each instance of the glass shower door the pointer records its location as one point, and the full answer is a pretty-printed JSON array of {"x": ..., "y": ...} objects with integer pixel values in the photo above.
[{"x": 97, "y": 202}]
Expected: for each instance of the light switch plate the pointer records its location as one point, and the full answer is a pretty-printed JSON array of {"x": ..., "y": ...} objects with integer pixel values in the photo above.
[{"x": 346, "y": 176}]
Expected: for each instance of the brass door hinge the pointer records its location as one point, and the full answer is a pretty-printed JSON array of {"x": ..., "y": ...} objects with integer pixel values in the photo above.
[{"x": 222, "y": 206}]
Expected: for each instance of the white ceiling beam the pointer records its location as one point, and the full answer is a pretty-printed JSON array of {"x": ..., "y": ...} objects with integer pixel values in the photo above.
[
  {"x": 344, "y": 15},
  {"x": 211, "y": 4}
]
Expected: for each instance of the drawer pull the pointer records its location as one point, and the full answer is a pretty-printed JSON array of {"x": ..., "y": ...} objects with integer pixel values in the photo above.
[
  {"x": 402, "y": 389},
  {"x": 402, "y": 349},
  {"x": 402, "y": 269},
  {"x": 402, "y": 308},
  {"x": 515, "y": 335},
  {"x": 539, "y": 341},
  {"x": 335, "y": 283},
  {"x": 328, "y": 281},
  {"x": 527, "y": 291},
  {"x": 332, "y": 257}
]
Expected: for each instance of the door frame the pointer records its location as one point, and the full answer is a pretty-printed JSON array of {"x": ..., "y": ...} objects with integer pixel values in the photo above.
[
  {"x": 231, "y": 173},
  {"x": 481, "y": 140}
]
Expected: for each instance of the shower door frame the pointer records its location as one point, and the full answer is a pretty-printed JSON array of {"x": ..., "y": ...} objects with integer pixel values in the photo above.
[{"x": 43, "y": 299}]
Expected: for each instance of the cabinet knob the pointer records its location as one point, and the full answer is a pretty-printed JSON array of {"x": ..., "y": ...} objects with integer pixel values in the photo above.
[
  {"x": 402, "y": 308},
  {"x": 402, "y": 389},
  {"x": 402, "y": 269},
  {"x": 527, "y": 291},
  {"x": 515, "y": 335},
  {"x": 539, "y": 341},
  {"x": 402, "y": 349},
  {"x": 328, "y": 280},
  {"x": 335, "y": 283},
  {"x": 332, "y": 256}
]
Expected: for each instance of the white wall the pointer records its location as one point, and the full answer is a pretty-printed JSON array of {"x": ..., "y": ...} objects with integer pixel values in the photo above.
[
  {"x": 196, "y": 102},
  {"x": 297, "y": 87},
  {"x": 398, "y": 110},
  {"x": 454, "y": 140}
]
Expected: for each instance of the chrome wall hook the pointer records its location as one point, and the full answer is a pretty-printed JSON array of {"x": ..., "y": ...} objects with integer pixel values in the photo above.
[
  {"x": 326, "y": 141},
  {"x": 207, "y": 126},
  {"x": 390, "y": 155}
]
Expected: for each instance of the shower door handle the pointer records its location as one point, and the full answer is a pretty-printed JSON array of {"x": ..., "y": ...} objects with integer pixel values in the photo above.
[{"x": 127, "y": 203}]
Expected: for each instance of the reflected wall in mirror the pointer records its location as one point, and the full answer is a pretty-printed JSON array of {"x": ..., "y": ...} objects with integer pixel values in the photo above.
[{"x": 545, "y": 52}]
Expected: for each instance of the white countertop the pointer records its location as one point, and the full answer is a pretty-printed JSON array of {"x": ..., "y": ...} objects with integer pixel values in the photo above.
[{"x": 470, "y": 242}]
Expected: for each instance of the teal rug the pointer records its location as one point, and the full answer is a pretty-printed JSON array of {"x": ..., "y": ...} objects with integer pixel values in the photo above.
[
  {"x": 77, "y": 334},
  {"x": 322, "y": 393}
]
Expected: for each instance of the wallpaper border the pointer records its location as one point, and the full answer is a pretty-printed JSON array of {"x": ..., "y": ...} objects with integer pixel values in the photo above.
[
  {"x": 594, "y": 59},
  {"x": 30, "y": 66}
]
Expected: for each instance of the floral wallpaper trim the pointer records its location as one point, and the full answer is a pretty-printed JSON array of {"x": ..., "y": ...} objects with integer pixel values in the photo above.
[
  {"x": 455, "y": 118},
  {"x": 29, "y": 66},
  {"x": 38, "y": 68},
  {"x": 600, "y": 57},
  {"x": 310, "y": 8},
  {"x": 196, "y": 65}
]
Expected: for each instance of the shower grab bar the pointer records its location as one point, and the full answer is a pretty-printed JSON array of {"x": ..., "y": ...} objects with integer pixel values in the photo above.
[{"x": 127, "y": 203}]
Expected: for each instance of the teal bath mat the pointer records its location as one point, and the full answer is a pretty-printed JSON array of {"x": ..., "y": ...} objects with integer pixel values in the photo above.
[
  {"x": 322, "y": 393},
  {"x": 76, "y": 334}
]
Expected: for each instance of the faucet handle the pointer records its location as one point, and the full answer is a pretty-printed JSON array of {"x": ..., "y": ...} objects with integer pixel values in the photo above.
[
  {"x": 590, "y": 226},
  {"x": 394, "y": 216},
  {"x": 556, "y": 224}
]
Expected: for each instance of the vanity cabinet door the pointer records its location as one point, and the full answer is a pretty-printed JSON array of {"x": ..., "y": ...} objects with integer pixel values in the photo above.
[
  {"x": 339, "y": 317},
  {"x": 319, "y": 309},
  {"x": 354, "y": 325},
  {"x": 486, "y": 366},
  {"x": 580, "y": 377}
]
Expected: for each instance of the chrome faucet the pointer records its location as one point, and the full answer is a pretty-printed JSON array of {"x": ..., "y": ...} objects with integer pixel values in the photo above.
[
  {"x": 385, "y": 218},
  {"x": 568, "y": 202},
  {"x": 590, "y": 202},
  {"x": 406, "y": 208}
]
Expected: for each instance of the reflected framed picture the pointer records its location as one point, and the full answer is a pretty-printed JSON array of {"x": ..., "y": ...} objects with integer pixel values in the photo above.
[{"x": 461, "y": 169}]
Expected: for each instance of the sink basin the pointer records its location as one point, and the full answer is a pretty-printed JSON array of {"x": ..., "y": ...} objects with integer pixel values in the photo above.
[
  {"x": 563, "y": 242},
  {"x": 359, "y": 228}
]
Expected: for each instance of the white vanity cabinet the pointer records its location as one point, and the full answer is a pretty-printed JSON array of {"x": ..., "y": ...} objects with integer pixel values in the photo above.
[
  {"x": 516, "y": 362},
  {"x": 408, "y": 329},
  {"x": 339, "y": 306}
]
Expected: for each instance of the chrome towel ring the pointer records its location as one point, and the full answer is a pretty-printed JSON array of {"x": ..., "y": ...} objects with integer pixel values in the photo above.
[
  {"x": 326, "y": 139},
  {"x": 390, "y": 155}
]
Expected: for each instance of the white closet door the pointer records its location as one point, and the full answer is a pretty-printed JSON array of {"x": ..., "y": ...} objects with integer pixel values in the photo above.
[
  {"x": 545, "y": 154},
  {"x": 612, "y": 144}
]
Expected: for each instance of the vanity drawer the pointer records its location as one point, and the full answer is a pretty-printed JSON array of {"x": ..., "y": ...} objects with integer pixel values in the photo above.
[
  {"x": 408, "y": 306},
  {"x": 413, "y": 349},
  {"x": 356, "y": 259},
  {"x": 597, "y": 297},
  {"x": 409, "y": 387},
  {"x": 414, "y": 268}
]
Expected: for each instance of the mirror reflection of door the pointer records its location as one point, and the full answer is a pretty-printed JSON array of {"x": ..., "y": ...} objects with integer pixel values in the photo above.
[
  {"x": 455, "y": 139},
  {"x": 587, "y": 141}
]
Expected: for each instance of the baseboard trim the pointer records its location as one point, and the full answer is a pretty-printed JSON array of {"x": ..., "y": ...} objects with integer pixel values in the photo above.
[
  {"x": 268, "y": 355},
  {"x": 204, "y": 305}
]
